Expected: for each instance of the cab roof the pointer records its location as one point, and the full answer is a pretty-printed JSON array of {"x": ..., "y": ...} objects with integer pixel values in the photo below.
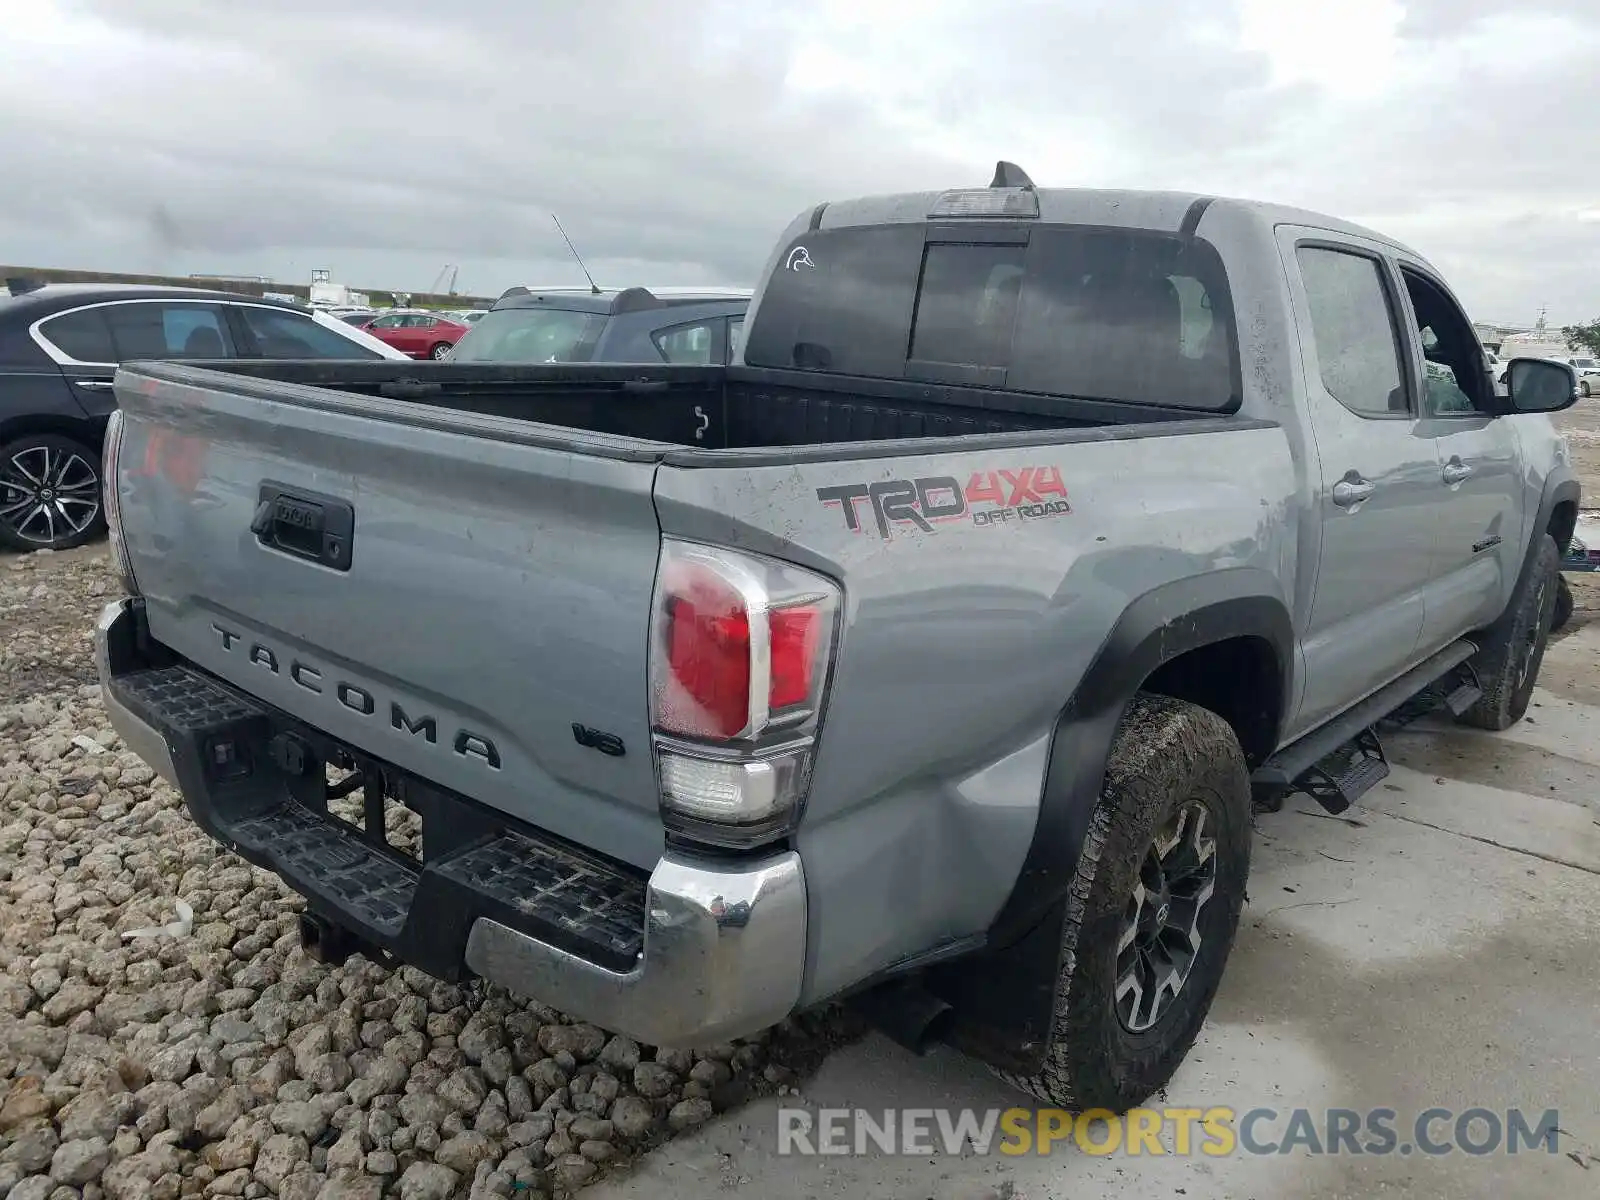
[{"x": 613, "y": 301}]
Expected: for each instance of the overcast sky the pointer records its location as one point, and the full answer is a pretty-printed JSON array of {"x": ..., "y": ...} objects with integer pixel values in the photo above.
[{"x": 383, "y": 139}]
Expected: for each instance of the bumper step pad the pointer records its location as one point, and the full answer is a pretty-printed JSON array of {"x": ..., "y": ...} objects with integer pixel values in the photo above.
[
  {"x": 594, "y": 904},
  {"x": 310, "y": 846},
  {"x": 477, "y": 862}
]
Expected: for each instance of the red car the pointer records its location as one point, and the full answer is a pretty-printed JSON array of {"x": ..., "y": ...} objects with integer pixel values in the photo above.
[{"x": 418, "y": 334}]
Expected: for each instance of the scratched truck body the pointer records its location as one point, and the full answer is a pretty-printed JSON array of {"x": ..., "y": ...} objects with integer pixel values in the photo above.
[{"x": 933, "y": 655}]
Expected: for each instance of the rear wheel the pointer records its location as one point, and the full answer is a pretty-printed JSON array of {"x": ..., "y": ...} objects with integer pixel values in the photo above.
[
  {"x": 1563, "y": 608},
  {"x": 1583, "y": 388},
  {"x": 1513, "y": 649},
  {"x": 1152, "y": 911},
  {"x": 50, "y": 495},
  {"x": 439, "y": 350}
]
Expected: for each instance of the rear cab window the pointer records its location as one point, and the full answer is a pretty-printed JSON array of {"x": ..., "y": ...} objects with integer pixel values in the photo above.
[
  {"x": 531, "y": 335},
  {"x": 1135, "y": 316}
]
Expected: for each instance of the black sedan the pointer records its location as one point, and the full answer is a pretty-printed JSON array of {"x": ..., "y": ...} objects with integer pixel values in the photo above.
[{"x": 59, "y": 348}]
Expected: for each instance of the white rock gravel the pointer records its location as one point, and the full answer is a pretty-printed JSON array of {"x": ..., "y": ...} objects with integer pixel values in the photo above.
[{"x": 222, "y": 1061}]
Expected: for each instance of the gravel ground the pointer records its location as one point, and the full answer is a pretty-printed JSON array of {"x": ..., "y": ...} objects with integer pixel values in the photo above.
[{"x": 215, "y": 1059}]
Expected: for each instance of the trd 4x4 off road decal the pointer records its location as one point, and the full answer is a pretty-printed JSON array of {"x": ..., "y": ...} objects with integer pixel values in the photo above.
[{"x": 990, "y": 498}]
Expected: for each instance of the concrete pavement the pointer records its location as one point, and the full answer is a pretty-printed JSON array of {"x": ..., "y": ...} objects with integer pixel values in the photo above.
[{"x": 1439, "y": 945}]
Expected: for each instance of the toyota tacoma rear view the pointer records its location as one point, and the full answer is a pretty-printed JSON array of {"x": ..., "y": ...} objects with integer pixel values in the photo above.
[{"x": 933, "y": 654}]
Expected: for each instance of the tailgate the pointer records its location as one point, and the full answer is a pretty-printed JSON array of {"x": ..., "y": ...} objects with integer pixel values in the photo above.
[{"x": 451, "y": 593}]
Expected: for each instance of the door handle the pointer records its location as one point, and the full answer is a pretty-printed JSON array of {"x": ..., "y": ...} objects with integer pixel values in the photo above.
[
  {"x": 1349, "y": 492},
  {"x": 1455, "y": 471},
  {"x": 93, "y": 385}
]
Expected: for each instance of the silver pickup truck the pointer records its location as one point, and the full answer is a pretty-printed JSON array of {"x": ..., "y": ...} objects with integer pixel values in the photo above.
[{"x": 932, "y": 656}]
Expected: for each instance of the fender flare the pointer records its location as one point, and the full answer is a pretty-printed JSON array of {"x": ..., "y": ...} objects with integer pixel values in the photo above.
[
  {"x": 1559, "y": 490},
  {"x": 1003, "y": 996},
  {"x": 1565, "y": 490}
]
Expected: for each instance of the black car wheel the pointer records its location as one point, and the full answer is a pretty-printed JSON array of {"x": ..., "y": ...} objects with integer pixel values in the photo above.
[
  {"x": 50, "y": 496},
  {"x": 1152, "y": 910},
  {"x": 1563, "y": 609},
  {"x": 1512, "y": 650}
]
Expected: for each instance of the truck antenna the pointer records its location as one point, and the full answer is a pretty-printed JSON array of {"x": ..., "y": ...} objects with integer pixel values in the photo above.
[{"x": 593, "y": 286}]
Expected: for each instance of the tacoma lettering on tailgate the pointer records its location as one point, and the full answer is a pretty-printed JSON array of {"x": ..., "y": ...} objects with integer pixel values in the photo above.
[
  {"x": 989, "y": 498},
  {"x": 357, "y": 698}
]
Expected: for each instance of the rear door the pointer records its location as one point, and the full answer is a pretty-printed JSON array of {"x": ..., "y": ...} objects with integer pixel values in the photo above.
[
  {"x": 1478, "y": 531},
  {"x": 415, "y": 330},
  {"x": 1378, "y": 487},
  {"x": 79, "y": 342},
  {"x": 88, "y": 343}
]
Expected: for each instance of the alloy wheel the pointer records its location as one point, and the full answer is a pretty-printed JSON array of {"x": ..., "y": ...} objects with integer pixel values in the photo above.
[
  {"x": 48, "y": 493},
  {"x": 1161, "y": 938}
]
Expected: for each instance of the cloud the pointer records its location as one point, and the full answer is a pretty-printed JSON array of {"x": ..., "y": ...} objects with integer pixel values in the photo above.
[{"x": 675, "y": 141}]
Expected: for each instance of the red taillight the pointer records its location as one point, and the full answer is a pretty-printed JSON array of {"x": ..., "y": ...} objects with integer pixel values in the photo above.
[
  {"x": 793, "y": 643},
  {"x": 708, "y": 648},
  {"x": 740, "y": 649},
  {"x": 740, "y": 644}
]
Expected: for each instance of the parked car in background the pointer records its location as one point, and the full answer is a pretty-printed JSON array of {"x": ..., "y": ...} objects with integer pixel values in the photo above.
[
  {"x": 1497, "y": 368},
  {"x": 635, "y": 325},
  {"x": 418, "y": 334},
  {"x": 1588, "y": 373},
  {"x": 59, "y": 347}
]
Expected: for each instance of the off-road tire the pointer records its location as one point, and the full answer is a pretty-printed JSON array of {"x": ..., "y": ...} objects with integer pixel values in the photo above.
[
  {"x": 1563, "y": 607},
  {"x": 1166, "y": 753},
  {"x": 1511, "y": 651}
]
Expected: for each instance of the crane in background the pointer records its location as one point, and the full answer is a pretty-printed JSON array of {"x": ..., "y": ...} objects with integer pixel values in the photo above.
[{"x": 440, "y": 287}]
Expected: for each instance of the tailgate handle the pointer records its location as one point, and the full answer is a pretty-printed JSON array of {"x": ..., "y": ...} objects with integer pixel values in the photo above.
[{"x": 305, "y": 525}]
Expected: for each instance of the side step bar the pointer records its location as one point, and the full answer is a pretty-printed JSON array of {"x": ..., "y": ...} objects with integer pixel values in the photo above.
[{"x": 1337, "y": 763}]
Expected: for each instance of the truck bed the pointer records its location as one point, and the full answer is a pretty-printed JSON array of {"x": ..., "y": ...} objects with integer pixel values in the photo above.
[{"x": 716, "y": 408}]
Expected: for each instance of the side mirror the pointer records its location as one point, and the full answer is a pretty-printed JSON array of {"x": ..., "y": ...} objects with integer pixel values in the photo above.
[{"x": 1537, "y": 385}]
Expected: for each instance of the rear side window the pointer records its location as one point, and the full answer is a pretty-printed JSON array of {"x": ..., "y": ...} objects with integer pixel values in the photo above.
[
  {"x": 82, "y": 335},
  {"x": 1125, "y": 315},
  {"x": 1353, "y": 327},
  {"x": 688, "y": 344},
  {"x": 167, "y": 331},
  {"x": 531, "y": 335},
  {"x": 281, "y": 334}
]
